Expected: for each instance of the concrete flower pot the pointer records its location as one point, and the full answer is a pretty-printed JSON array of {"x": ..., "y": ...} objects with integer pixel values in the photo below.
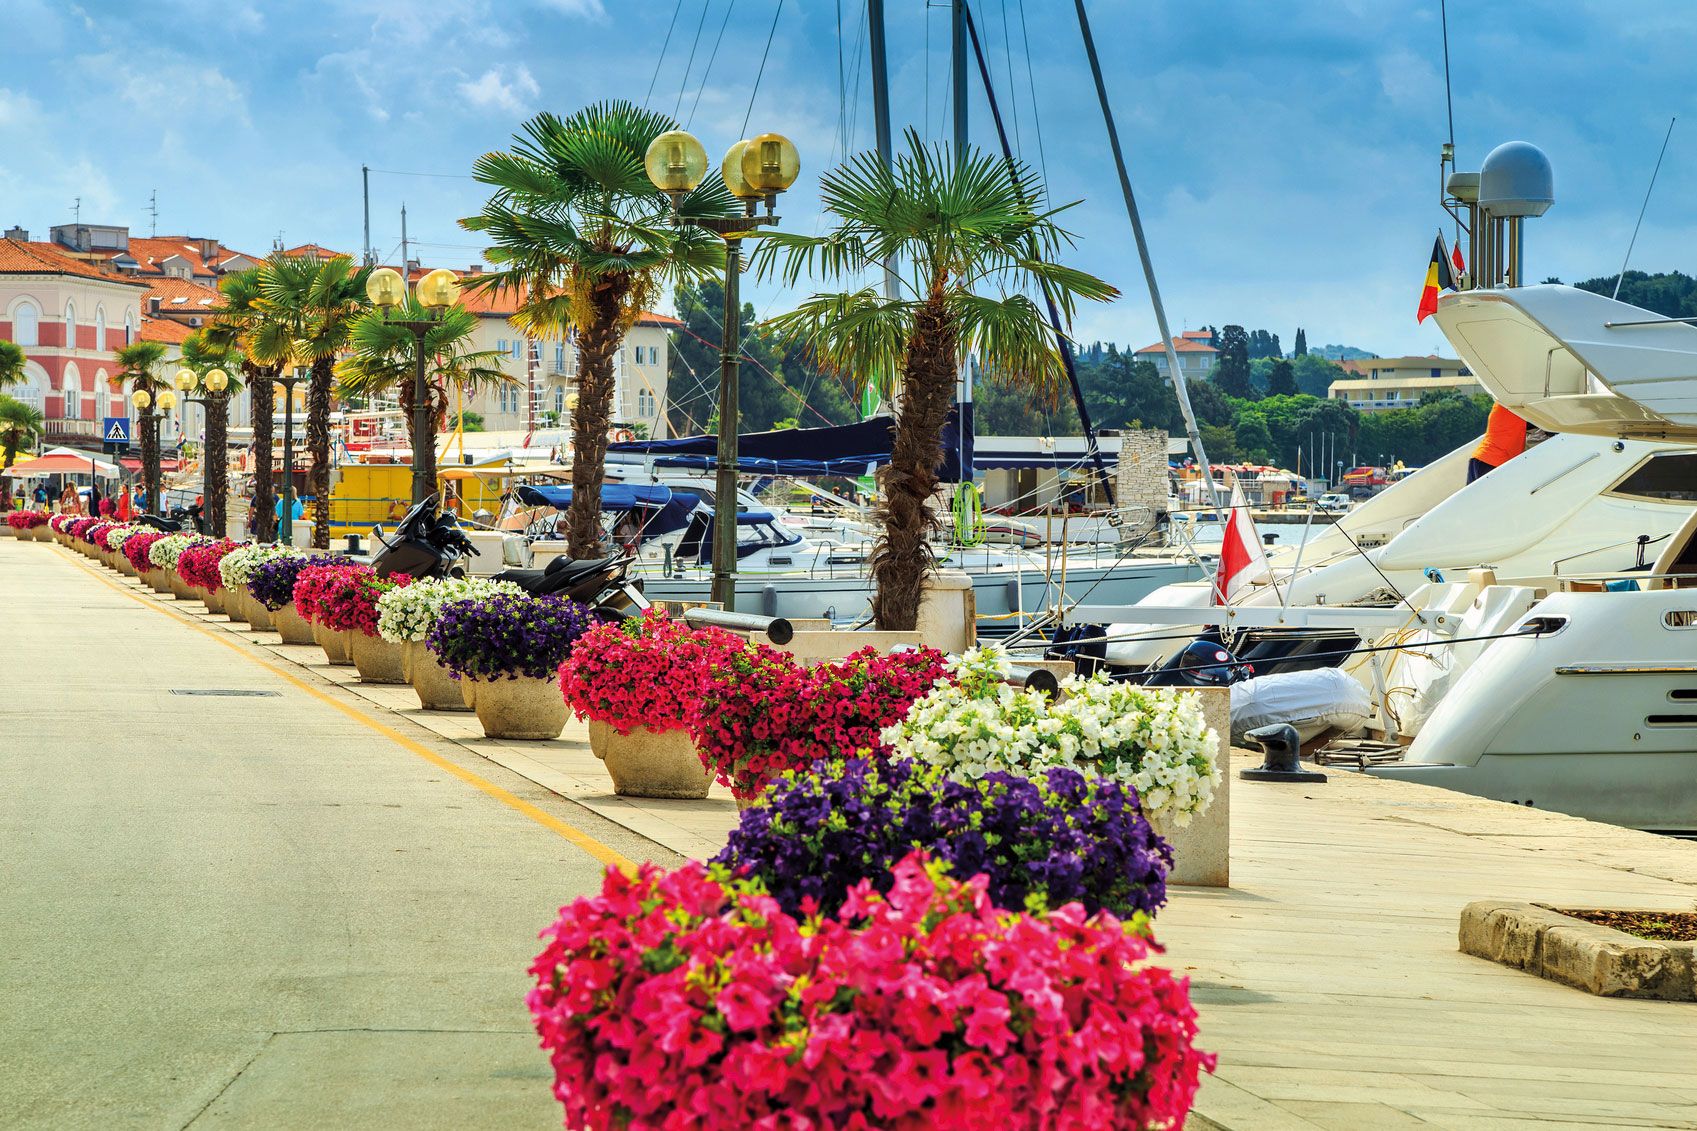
[
  {"x": 155, "y": 577},
  {"x": 180, "y": 589},
  {"x": 42, "y": 533},
  {"x": 525, "y": 708},
  {"x": 650, "y": 763},
  {"x": 437, "y": 690},
  {"x": 468, "y": 694},
  {"x": 335, "y": 645},
  {"x": 123, "y": 565},
  {"x": 256, "y": 614},
  {"x": 292, "y": 626},
  {"x": 213, "y": 599},
  {"x": 377, "y": 660}
]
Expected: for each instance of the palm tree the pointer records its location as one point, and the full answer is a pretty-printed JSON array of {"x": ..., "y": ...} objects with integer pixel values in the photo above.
[
  {"x": 204, "y": 351},
  {"x": 262, "y": 345},
  {"x": 584, "y": 241},
  {"x": 961, "y": 221},
  {"x": 384, "y": 359},
  {"x": 319, "y": 299},
  {"x": 11, "y": 363},
  {"x": 20, "y": 425},
  {"x": 139, "y": 364}
]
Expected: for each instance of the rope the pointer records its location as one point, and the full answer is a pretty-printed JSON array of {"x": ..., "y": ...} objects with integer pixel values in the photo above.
[{"x": 969, "y": 515}]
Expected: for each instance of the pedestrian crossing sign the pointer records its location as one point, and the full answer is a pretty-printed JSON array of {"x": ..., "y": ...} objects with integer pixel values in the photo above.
[{"x": 115, "y": 430}]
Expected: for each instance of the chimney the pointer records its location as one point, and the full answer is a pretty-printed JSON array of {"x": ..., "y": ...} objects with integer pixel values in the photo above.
[
  {"x": 475, "y": 269},
  {"x": 17, "y": 234},
  {"x": 414, "y": 265}
]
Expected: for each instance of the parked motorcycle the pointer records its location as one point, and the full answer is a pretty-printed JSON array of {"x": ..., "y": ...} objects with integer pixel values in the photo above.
[
  {"x": 176, "y": 520},
  {"x": 425, "y": 544},
  {"x": 601, "y": 583}
]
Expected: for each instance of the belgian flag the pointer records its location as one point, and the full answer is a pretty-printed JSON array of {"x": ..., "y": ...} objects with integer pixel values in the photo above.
[{"x": 1438, "y": 279}]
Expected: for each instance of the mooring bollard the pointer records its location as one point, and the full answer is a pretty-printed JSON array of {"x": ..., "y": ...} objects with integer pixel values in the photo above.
[
  {"x": 1283, "y": 750},
  {"x": 776, "y": 629}
]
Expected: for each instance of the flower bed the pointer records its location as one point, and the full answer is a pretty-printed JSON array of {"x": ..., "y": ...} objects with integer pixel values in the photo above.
[
  {"x": 1154, "y": 739},
  {"x": 643, "y": 672},
  {"x": 79, "y": 527},
  {"x": 345, "y": 597},
  {"x": 507, "y": 636},
  {"x": 197, "y": 565},
  {"x": 236, "y": 567},
  {"x": 165, "y": 552},
  {"x": 681, "y": 999},
  {"x": 760, "y": 712},
  {"x": 1040, "y": 842},
  {"x": 406, "y": 614},
  {"x": 26, "y": 520},
  {"x": 271, "y": 581},
  {"x": 316, "y": 582},
  {"x": 138, "y": 549}
]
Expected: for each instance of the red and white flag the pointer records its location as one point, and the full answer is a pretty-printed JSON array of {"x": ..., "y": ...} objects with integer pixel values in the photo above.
[{"x": 1242, "y": 562}]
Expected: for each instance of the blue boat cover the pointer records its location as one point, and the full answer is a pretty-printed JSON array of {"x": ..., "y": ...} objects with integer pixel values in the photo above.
[
  {"x": 846, "y": 450},
  {"x": 614, "y": 496}
]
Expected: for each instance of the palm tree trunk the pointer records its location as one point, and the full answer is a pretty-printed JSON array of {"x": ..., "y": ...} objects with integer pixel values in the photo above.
[
  {"x": 318, "y": 448},
  {"x": 596, "y": 346},
  {"x": 10, "y": 451},
  {"x": 901, "y": 558},
  {"x": 217, "y": 462},
  {"x": 263, "y": 397},
  {"x": 150, "y": 462}
]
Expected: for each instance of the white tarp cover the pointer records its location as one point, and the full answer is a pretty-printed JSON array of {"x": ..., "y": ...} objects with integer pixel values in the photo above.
[{"x": 1309, "y": 701}]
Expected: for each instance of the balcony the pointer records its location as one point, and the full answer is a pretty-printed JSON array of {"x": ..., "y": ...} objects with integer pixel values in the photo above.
[{"x": 73, "y": 429}]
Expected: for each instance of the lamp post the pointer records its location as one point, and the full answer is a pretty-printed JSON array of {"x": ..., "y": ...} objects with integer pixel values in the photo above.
[
  {"x": 212, "y": 454},
  {"x": 755, "y": 171},
  {"x": 436, "y": 292},
  {"x": 147, "y": 403},
  {"x": 286, "y": 524}
]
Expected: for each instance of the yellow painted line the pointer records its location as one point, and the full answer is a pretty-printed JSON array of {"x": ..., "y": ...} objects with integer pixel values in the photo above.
[{"x": 577, "y": 836}]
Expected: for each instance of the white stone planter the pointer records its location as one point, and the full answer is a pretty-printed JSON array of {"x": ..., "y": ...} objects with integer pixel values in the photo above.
[
  {"x": 214, "y": 599},
  {"x": 255, "y": 613},
  {"x": 377, "y": 660},
  {"x": 291, "y": 626},
  {"x": 1202, "y": 849},
  {"x": 42, "y": 533},
  {"x": 180, "y": 589},
  {"x": 650, "y": 763},
  {"x": 335, "y": 645},
  {"x": 156, "y": 578},
  {"x": 524, "y": 708},
  {"x": 437, "y": 689}
]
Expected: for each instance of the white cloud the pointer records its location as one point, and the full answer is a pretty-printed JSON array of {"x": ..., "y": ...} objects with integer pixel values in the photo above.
[
  {"x": 509, "y": 93},
  {"x": 17, "y": 109},
  {"x": 591, "y": 9},
  {"x": 164, "y": 85}
]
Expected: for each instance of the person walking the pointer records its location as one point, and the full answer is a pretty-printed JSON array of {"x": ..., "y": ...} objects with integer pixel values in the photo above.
[
  {"x": 40, "y": 496},
  {"x": 69, "y": 501},
  {"x": 125, "y": 506}
]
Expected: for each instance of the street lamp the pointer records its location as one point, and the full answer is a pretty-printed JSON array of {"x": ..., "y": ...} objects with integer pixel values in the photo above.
[
  {"x": 213, "y": 467},
  {"x": 286, "y": 524},
  {"x": 143, "y": 400},
  {"x": 755, "y": 171},
  {"x": 436, "y": 292}
]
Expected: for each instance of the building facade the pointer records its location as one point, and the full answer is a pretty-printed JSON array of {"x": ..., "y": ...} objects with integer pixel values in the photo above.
[
  {"x": 1196, "y": 350},
  {"x": 1376, "y": 384}
]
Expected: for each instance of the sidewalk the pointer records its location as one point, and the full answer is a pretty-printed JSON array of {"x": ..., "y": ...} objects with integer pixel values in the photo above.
[{"x": 1328, "y": 977}]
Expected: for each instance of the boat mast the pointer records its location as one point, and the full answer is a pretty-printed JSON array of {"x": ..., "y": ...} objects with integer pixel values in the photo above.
[
  {"x": 1173, "y": 373},
  {"x": 1061, "y": 341}
]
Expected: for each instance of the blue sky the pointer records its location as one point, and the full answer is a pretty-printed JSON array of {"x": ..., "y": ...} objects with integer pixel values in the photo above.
[{"x": 1285, "y": 154}]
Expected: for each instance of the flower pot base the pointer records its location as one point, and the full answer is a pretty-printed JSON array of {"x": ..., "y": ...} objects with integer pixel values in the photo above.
[
  {"x": 377, "y": 660},
  {"x": 524, "y": 708},
  {"x": 437, "y": 689},
  {"x": 650, "y": 763}
]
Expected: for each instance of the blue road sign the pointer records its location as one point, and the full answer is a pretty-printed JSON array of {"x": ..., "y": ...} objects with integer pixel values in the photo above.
[{"x": 115, "y": 429}]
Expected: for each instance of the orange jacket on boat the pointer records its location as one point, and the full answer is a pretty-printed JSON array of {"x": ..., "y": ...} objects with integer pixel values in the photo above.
[{"x": 1505, "y": 438}]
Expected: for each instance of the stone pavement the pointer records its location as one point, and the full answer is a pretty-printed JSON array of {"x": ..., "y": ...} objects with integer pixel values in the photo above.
[
  {"x": 1327, "y": 977},
  {"x": 248, "y": 910}
]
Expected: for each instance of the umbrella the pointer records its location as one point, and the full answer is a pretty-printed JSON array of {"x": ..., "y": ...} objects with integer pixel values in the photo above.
[{"x": 62, "y": 461}]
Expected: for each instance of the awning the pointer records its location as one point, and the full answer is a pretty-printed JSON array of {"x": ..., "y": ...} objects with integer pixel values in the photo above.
[
  {"x": 62, "y": 463},
  {"x": 990, "y": 458},
  {"x": 844, "y": 450},
  {"x": 131, "y": 463},
  {"x": 614, "y": 496}
]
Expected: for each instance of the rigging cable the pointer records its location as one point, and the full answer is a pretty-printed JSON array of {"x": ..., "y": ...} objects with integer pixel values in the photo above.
[
  {"x": 706, "y": 74},
  {"x": 683, "y": 83},
  {"x": 679, "y": 7},
  {"x": 1031, "y": 84},
  {"x": 1643, "y": 207},
  {"x": 1013, "y": 96},
  {"x": 762, "y": 70}
]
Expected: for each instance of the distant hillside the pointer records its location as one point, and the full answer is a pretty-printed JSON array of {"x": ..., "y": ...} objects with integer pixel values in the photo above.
[
  {"x": 1673, "y": 295},
  {"x": 1342, "y": 353}
]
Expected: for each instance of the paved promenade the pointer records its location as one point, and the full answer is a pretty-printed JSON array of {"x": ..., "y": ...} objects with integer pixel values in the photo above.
[
  {"x": 194, "y": 898},
  {"x": 253, "y": 911}
]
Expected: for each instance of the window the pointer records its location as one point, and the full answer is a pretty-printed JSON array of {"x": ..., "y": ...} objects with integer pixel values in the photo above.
[
  {"x": 129, "y": 327},
  {"x": 100, "y": 327},
  {"x": 1437, "y": 372},
  {"x": 26, "y": 324},
  {"x": 514, "y": 348},
  {"x": 73, "y": 393},
  {"x": 644, "y": 403},
  {"x": 1669, "y": 477},
  {"x": 559, "y": 398},
  {"x": 559, "y": 357},
  {"x": 70, "y": 325}
]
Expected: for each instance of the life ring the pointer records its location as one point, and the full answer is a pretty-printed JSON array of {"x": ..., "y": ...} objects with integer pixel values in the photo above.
[{"x": 623, "y": 436}]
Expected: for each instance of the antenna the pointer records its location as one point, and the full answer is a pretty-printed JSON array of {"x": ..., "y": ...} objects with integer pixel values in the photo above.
[
  {"x": 153, "y": 209},
  {"x": 1644, "y": 206},
  {"x": 76, "y": 211}
]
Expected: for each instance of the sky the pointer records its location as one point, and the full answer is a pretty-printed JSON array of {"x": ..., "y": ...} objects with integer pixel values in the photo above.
[{"x": 1284, "y": 156}]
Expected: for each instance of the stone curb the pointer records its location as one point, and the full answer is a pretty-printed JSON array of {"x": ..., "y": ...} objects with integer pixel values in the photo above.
[{"x": 1599, "y": 960}]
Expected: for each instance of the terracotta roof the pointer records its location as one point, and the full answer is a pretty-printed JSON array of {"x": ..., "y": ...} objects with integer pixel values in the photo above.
[
  {"x": 507, "y": 300},
  {"x": 1181, "y": 344},
  {"x": 20, "y": 258},
  {"x": 163, "y": 330},
  {"x": 319, "y": 250},
  {"x": 1200, "y": 335},
  {"x": 181, "y": 296}
]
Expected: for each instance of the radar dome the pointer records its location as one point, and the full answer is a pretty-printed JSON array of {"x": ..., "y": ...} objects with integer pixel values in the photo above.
[{"x": 1516, "y": 180}]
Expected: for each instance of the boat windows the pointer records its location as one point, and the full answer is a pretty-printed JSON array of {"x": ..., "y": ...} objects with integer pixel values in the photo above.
[
  {"x": 1665, "y": 477},
  {"x": 1680, "y": 618}
]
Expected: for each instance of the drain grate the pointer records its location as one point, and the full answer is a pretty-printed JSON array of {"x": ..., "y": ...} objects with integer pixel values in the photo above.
[{"x": 221, "y": 691}]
